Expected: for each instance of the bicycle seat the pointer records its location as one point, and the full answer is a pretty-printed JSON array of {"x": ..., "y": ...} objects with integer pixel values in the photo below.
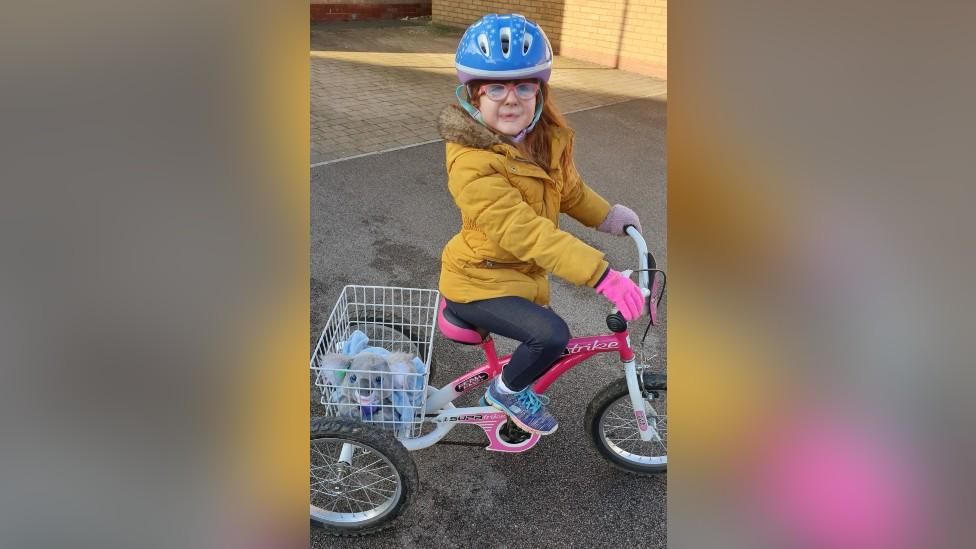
[{"x": 458, "y": 330}]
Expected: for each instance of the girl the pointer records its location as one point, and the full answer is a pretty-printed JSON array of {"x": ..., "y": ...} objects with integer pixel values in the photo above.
[{"x": 511, "y": 173}]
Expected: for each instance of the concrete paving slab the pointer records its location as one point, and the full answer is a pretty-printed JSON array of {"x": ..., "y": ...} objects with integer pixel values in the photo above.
[{"x": 363, "y": 76}]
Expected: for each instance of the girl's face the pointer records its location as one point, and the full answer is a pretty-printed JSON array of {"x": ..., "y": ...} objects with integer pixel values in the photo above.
[{"x": 511, "y": 113}]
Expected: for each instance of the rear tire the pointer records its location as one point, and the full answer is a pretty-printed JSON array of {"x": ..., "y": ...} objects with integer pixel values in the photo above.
[
  {"x": 371, "y": 493},
  {"x": 612, "y": 427}
]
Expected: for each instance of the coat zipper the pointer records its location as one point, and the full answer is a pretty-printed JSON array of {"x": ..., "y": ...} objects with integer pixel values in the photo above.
[{"x": 493, "y": 264}]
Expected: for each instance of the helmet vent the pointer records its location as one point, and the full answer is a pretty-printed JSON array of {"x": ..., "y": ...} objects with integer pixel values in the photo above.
[
  {"x": 526, "y": 42},
  {"x": 506, "y": 38},
  {"x": 483, "y": 43}
]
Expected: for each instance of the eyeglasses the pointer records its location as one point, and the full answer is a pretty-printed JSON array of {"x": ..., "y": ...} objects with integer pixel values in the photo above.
[{"x": 497, "y": 92}]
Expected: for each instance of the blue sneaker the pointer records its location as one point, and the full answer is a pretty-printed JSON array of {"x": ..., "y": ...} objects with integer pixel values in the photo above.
[
  {"x": 542, "y": 398},
  {"x": 524, "y": 407}
]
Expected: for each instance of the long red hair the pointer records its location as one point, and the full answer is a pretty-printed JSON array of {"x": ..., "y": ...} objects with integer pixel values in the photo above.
[{"x": 537, "y": 145}]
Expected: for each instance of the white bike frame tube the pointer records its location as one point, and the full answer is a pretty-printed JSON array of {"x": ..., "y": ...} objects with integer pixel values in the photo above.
[
  {"x": 345, "y": 455},
  {"x": 440, "y": 431},
  {"x": 647, "y": 433},
  {"x": 438, "y": 400}
]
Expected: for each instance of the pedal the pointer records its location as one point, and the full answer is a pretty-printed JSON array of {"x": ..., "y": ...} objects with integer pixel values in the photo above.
[{"x": 512, "y": 433}]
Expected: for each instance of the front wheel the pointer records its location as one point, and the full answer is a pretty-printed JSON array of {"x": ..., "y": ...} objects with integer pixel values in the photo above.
[
  {"x": 611, "y": 424},
  {"x": 361, "y": 478}
]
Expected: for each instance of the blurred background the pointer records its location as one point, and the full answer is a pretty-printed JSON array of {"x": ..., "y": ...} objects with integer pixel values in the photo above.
[{"x": 820, "y": 244}]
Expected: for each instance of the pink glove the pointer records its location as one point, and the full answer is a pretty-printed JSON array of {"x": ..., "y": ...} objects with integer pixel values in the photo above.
[
  {"x": 618, "y": 218},
  {"x": 622, "y": 292}
]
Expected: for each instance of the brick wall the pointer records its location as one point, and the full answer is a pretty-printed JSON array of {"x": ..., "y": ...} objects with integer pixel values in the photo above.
[
  {"x": 355, "y": 10},
  {"x": 628, "y": 34}
]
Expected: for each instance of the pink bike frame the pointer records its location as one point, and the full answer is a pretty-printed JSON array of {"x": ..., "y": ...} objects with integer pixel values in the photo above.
[{"x": 577, "y": 350}]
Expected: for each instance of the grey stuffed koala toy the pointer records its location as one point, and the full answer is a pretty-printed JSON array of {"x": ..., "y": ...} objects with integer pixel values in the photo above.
[{"x": 367, "y": 389}]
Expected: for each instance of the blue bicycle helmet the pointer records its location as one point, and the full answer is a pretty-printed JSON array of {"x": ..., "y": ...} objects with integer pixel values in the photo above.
[{"x": 503, "y": 47}]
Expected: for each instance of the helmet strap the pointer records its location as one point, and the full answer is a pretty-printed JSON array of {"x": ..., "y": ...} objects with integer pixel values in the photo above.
[{"x": 471, "y": 109}]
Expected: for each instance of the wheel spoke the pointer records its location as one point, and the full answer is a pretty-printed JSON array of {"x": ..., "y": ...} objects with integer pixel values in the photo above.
[
  {"x": 330, "y": 466},
  {"x": 377, "y": 478},
  {"x": 387, "y": 479},
  {"x": 365, "y": 493},
  {"x": 621, "y": 425},
  {"x": 629, "y": 437},
  {"x": 321, "y": 492},
  {"x": 619, "y": 430},
  {"x": 369, "y": 476},
  {"x": 382, "y": 493},
  {"x": 372, "y": 472},
  {"x": 366, "y": 467},
  {"x": 375, "y": 475},
  {"x": 615, "y": 415},
  {"x": 323, "y": 456},
  {"x": 349, "y": 498},
  {"x": 367, "y": 488}
]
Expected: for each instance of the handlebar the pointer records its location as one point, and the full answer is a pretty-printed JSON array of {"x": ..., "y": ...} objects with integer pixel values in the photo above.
[
  {"x": 645, "y": 259},
  {"x": 644, "y": 279}
]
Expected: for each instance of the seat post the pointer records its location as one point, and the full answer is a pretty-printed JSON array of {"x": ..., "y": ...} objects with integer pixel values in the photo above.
[{"x": 488, "y": 346}]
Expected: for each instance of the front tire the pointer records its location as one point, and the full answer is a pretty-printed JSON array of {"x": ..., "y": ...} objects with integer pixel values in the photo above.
[
  {"x": 611, "y": 425},
  {"x": 367, "y": 494}
]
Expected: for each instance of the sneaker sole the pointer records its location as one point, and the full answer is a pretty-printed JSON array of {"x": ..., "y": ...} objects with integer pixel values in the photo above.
[{"x": 516, "y": 420}]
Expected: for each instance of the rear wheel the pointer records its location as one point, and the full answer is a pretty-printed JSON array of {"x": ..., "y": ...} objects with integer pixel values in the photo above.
[
  {"x": 361, "y": 478},
  {"x": 611, "y": 424}
]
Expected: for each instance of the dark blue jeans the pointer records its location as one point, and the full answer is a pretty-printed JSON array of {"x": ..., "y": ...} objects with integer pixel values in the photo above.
[{"x": 542, "y": 332}]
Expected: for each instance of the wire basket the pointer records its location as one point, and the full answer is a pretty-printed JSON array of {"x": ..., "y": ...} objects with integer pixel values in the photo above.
[{"x": 372, "y": 361}]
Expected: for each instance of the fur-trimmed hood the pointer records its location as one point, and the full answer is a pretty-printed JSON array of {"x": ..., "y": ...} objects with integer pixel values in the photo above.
[{"x": 456, "y": 125}]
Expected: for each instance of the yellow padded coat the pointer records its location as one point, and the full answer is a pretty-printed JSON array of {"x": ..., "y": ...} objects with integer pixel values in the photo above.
[{"x": 510, "y": 237}]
